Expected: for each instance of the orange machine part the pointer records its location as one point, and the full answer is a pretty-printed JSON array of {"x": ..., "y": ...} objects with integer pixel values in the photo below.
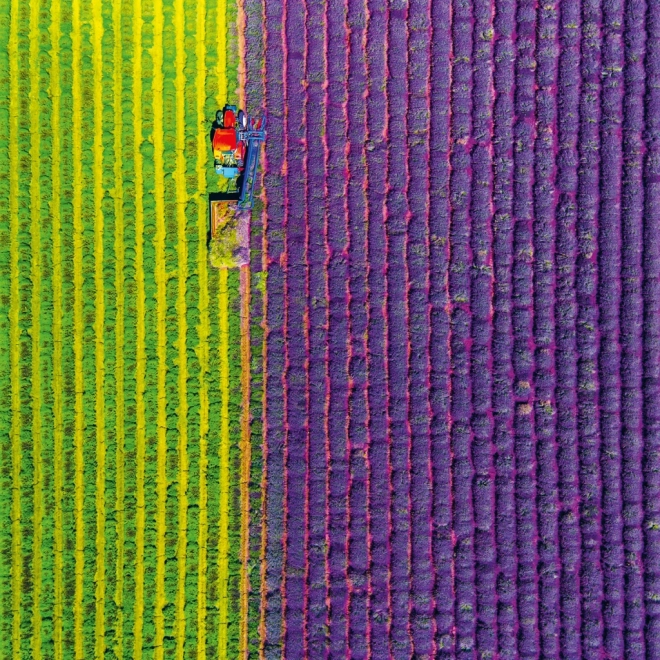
[{"x": 224, "y": 139}]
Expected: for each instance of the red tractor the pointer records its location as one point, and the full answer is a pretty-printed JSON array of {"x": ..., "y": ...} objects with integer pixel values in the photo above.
[
  {"x": 236, "y": 140},
  {"x": 228, "y": 147}
]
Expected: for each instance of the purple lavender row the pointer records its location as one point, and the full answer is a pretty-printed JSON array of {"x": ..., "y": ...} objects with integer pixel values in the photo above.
[
  {"x": 503, "y": 413},
  {"x": 422, "y": 577},
  {"x": 523, "y": 329},
  {"x": 631, "y": 312},
  {"x": 483, "y": 485},
  {"x": 565, "y": 314},
  {"x": 461, "y": 318},
  {"x": 651, "y": 381},
  {"x": 609, "y": 294},
  {"x": 547, "y": 48},
  {"x": 294, "y": 576},
  {"x": 591, "y": 583},
  {"x": 274, "y": 333},
  {"x": 379, "y": 459},
  {"x": 398, "y": 342},
  {"x": 358, "y": 551},
  {"x": 317, "y": 613},
  {"x": 439, "y": 219},
  {"x": 338, "y": 336}
]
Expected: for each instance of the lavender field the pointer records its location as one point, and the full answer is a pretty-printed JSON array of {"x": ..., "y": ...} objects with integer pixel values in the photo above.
[{"x": 461, "y": 221}]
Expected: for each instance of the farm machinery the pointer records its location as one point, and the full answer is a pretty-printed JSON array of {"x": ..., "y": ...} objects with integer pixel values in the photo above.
[{"x": 236, "y": 140}]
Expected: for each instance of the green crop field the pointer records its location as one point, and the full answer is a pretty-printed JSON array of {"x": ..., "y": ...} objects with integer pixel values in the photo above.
[{"x": 124, "y": 424}]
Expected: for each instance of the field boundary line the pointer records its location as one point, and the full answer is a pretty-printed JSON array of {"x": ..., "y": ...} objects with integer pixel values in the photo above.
[
  {"x": 14, "y": 316},
  {"x": 140, "y": 331},
  {"x": 58, "y": 434},
  {"x": 119, "y": 328},
  {"x": 182, "y": 258},
  {"x": 223, "y": 534},
  {"x": 78, "y": 339},
  {"x": 35, "y": 311},
  {"x": 99, "y": 351},
  {"x": 203, "y": 331}
]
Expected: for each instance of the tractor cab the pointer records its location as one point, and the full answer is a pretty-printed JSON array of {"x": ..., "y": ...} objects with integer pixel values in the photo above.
[{"x": 228, "y": 147}]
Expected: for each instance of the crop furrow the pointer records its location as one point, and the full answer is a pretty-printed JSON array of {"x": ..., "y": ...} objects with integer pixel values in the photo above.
[
  {"x": 223, "y": 538},
  {"x": 245, "y": 380},
  {"x": 284, "y": 260},
  {"x": 5, "y": 348},
  {"x": 460, "y": 267},
  {"x": 358, "y": 549},
  {"x": 398, "y": 319},
  {"x": 338, "y": 336},
  {"x": 379, "y": 453},
  {"x": 274, "y": 164},
  {"x": 182, "y": 261},
  {"x": 78, "y": 330},
  {"x": 14, "y": 330},
  {"x": 524, "y": 134},
  {"x": 37, "y": 292},
  {"x": 254, "y": 53},
  {"x": 439, "y": 215},
  {"x": 565, "y": 315},
  {"x": 316, "y": 141},
  {"x": 591, "y": 584},
  {"x": 7, "y": 330},
  {"x": 117, "y": 622},
  {"x": 481, "y": 295},
  {"x": 99, "y": 353},
  {"x": 68, "y": 364},
  {"x": 203, "y": 330},
  {"x": 244, "y": 476},
  {"x": 631, "y": 315},
  {"x": 503, "y": 412},
  {"x": 235, "y": 455},
  {"x": 545, "y": 171},
  {"x": 296, "y": 390},
  {"x": 651, "y": 392},
  {"x": 140, "y": 337},
  {"x": 609, "y": 295},
  {"x": 422, "y": 574},
  {"x": 161, "y": 327},
  {"x": 197, "y": 412},
  {"x": 58, "y": 309}
]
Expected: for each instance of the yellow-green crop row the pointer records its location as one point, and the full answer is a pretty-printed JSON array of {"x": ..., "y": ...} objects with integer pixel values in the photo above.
[{"x": 126, "y": 443}]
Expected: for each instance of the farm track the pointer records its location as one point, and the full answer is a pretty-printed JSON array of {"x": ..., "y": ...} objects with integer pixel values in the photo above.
[{"x": 460, "y": 328}]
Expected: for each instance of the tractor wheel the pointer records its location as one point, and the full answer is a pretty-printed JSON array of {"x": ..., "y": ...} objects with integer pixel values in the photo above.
[
  {"x": 242, "y": 120},
  {"x": 219, "y": 117}
]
